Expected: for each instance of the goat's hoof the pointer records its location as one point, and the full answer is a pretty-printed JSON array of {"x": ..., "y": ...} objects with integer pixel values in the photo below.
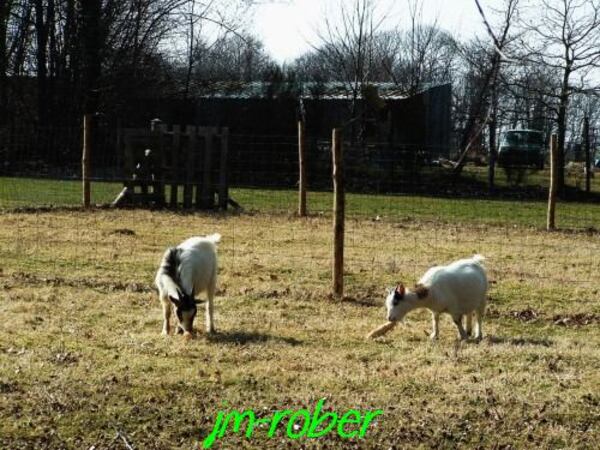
[
  {"x": 165, "y": 332},
  {"x": 433, "y": 336}
]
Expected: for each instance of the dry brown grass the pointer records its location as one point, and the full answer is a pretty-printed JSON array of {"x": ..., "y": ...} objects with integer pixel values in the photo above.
[{"x": 82, "y": 357}]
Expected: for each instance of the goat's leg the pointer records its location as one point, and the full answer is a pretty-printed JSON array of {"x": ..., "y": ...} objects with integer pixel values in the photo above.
[
  {"x": 166, "y": 305},
  {"x": 458, "y": 322},
  {"x": 210, "y": 325},
  {"x": 479, "y": 319},
  {"x": 469, "y": 323},
  {"x": 435, "y": 323}
]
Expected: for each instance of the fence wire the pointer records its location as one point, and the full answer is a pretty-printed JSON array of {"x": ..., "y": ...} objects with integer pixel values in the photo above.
[{"x": 406, "y": 211}]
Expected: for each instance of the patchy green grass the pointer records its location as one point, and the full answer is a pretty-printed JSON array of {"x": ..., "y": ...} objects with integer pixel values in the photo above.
[
  {"x": 82, "y": 358},
  {"x": 31, "y": 192},
  {"x": 20, "y": 192},
  {"x": 529, "y": 177}
]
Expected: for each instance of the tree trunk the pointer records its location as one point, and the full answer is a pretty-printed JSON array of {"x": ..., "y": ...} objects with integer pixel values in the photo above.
[
  {"x": 560, "y": 150},
  {"x": 5, "y": 7},
  {"x": 492, "y": 130},
  {"x": 50, "y": 27},
  {"x": 41, "y": 61},
  {"x": 588, "y": 156},
  {"x": 562, "y": 131},
  {"x": 492, "y": 156},
  {"x": 92, "y": 41},
  {"x": 21, "y": 43},
  {"x": 475, "y": 112}
]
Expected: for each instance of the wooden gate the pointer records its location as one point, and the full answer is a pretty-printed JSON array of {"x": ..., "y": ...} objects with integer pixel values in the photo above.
[{"x": 175, "y": 167}]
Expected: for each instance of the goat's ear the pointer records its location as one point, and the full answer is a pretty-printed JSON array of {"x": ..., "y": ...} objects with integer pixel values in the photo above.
[
  {"x": 400, "y": 290},
  {"x": 176, "y": 301},
  {"x": 421, "y": 291}
]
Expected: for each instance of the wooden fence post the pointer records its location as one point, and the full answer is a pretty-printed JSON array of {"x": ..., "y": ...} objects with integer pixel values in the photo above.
[
  {"x": 188, "y": 159},
  {"x": 157, "y": 129},
  {"x": 302, "y": 170},
  {"x": 338, "y": 214},
  {"x": 551, "y": 223},
  {"x": 85, "y": 159},
  {"x": 223, "y": 181}
]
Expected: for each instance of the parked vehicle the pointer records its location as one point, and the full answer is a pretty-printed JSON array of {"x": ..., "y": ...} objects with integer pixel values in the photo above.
[{"x": 522, "y": 148}]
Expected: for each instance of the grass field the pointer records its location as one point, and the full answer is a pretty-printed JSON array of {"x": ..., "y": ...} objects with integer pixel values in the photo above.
[
  {"x": 82, "y": 358},
  {"x": 24, "y": 192}
]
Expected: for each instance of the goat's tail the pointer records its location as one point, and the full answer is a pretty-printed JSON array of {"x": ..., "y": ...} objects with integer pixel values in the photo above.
[
  {"x": 214, "y": 238},
  {"x": 478, "y": 259}
]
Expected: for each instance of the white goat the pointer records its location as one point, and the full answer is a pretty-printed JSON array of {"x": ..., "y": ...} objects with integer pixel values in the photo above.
[
  {"x": 185, "y": 271},
  {"x": 458, "y": 289}
]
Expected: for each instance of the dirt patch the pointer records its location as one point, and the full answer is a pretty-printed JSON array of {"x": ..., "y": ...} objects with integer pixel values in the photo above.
[
  {"x": 564, "y": 320},
  {"x": 65, "y": 358},
  {"x": 122, "y": 232},
  {"x": 576, "y": 320},
  {"x": 8, "y": 387},
  {"x": 588, "y": 231},
  {"x": 526, "y": 315},
  {"x": 363, "y": 300},
  {"x": 530, "y": 315}
]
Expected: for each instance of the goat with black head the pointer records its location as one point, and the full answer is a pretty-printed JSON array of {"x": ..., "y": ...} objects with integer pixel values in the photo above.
[{"x": 186, "y": 271}]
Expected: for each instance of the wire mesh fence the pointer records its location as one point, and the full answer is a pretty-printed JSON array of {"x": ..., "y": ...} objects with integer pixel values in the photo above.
[{"x": 406, "y": 211}]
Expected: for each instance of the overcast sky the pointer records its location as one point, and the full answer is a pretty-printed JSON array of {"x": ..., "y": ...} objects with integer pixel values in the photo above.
[{"x": 288, "y": 26}]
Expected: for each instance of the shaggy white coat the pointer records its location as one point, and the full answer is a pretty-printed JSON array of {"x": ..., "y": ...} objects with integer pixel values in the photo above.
[
  {"x": 185, "y": 272},
  {"x": 458, "y": 289}
]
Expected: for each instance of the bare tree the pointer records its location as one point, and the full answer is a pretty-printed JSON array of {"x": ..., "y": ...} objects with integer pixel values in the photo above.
[
  {"x": 483, "y": 110},
  {"x": 422, "y": 54},
  {"x": 206, "y": 24},
  {"x": 347, "y": 48},
  {"x": 563, "y": 36}
]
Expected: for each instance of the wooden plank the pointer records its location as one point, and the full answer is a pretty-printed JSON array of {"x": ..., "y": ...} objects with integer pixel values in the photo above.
[
  {"x": 175, "y": 174},
  {"x": 128, "y": 171},
  {"x": 188, "y": 154},
  {"x": 119, "y": 146},
  {"x": 223, "y": 168},
  {"x": 159, "y": 169},
  {"x": 199, "y": 158},
  {"x": 207, "y": 198}
]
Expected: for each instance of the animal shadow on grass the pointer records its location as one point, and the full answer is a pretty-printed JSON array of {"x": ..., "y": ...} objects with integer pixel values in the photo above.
[
  {"x": 365, "y": 302},
  {"x": 244, "y": 337},
  {"x": 519, "y": 341}
]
